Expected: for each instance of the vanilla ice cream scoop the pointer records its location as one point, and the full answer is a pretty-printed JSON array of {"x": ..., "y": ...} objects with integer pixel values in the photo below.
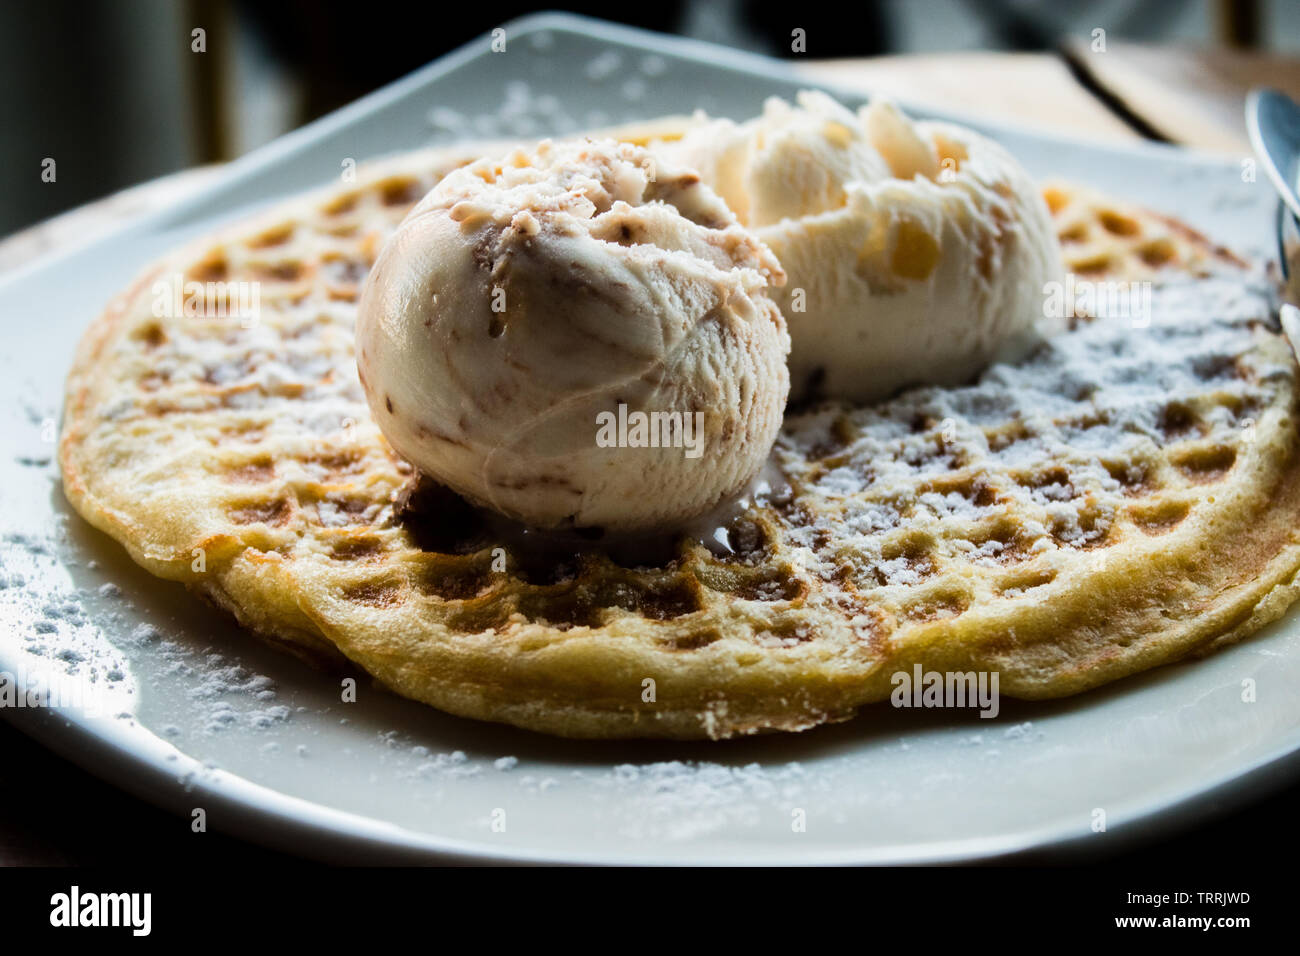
[
  {"x": 577, "y": 335},
  {"x": 916, "y": 252}
]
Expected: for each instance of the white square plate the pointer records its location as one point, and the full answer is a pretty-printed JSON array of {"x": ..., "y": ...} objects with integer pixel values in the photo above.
[{"x": 191, "y": 713}]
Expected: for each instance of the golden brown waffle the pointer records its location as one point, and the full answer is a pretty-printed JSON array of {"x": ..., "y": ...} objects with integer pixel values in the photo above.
[
  {"x": 1102, "y": 237},
  {"x": 1124, "y": 498}
]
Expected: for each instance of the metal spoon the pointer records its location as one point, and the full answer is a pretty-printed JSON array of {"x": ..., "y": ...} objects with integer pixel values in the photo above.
[{"x": 1273, "y": 122}]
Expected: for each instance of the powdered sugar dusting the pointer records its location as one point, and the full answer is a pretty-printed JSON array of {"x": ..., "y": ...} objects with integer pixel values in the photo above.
[
  {"x": 683, "y": 800},
  {"x": 1051, "y": 447}
]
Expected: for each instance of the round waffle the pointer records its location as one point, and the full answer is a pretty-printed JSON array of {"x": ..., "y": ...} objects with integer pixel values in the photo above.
[{"x": 1123, "y": 498}]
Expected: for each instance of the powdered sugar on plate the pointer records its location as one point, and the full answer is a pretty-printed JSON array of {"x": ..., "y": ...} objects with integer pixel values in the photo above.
[{"x": 685, "y": 800}]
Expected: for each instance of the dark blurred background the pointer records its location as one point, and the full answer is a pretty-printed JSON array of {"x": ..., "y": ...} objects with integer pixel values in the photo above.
[{"x": 114, "y": 90}]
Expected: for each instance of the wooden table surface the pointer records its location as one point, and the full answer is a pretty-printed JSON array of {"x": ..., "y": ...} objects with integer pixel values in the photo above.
[{"x": 1128, "y": 93}]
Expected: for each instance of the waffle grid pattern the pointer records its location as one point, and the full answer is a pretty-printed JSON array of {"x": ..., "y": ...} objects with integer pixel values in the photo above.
[{"x": 949, "y": 526}]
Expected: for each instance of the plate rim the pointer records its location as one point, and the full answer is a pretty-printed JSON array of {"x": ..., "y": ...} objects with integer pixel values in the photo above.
[{"x": 169, "y": 779}]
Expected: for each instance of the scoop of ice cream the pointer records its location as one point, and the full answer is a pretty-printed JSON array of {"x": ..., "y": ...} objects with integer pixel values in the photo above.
[
  {"x": 580, "y": 335},
  {"x": 916, "y": 252}
]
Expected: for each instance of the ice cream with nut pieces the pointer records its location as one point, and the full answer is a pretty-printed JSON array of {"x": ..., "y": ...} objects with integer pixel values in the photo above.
[
  {"x": 916, "y": 252},
  {"x": 531, "y": 300}
]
